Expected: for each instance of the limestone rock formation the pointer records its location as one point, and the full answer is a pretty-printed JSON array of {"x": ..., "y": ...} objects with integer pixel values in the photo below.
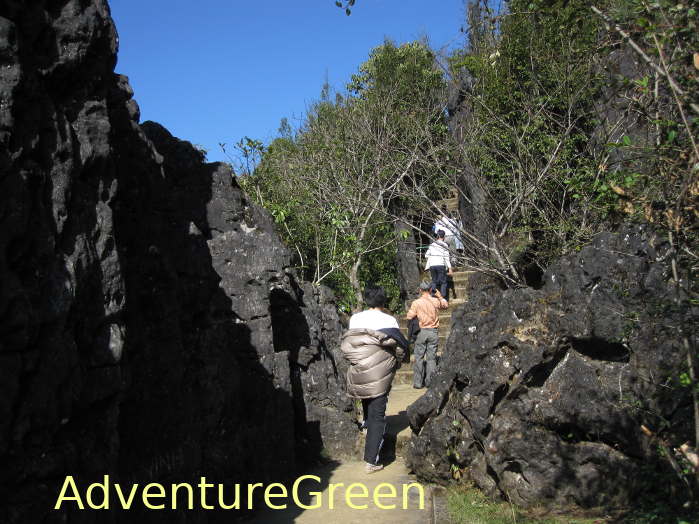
[
  {"x": 150, "y": 327},
  {"x": 541, "y": 393},
  {"x": 409, "y": 269}
]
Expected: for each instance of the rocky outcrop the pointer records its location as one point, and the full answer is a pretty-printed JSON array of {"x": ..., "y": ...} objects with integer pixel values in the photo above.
[
  {"x": 150, "y": 327},
  {"x": 408, "y": 265},
  {"x": 472, "y": 196},
  {"x": 541, "y": 393}
]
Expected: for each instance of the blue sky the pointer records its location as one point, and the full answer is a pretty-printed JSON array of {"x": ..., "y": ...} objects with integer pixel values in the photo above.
[{"x": 216, "y": 70}]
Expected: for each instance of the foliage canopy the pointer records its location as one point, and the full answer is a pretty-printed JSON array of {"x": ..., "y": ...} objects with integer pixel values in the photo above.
[{"x": 335, "y": 184}]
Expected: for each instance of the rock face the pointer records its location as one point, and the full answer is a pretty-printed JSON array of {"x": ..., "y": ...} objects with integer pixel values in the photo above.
[
  {"x": 473, "y": 208},
  {"x": 150, "y": 328},
  {"x": 409, "y": 268},
  {"x": 541, "y": 393}
]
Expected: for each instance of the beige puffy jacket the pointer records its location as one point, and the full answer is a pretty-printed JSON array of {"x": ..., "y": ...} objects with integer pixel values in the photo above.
[{"x": 374, "y": 358}]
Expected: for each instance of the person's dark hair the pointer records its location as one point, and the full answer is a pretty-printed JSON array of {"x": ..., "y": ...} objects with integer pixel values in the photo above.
[
  {"x": 440, "y": 233},
  {"x": 374, "y": 296}
]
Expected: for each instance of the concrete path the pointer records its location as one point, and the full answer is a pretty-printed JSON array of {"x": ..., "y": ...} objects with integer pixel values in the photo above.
[
  {"x": 344, "y": 474},
  {"x": 336, "y": 479},
  {"x": 352, "y": 473}
]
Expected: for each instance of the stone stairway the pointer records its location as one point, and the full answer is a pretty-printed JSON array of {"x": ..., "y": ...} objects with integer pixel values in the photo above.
[
  {"x": 457, "y": 296},
  {"x": 452, "y": 203},
  {"x": 351, "y": 471},
  {"x": 398, "y": 433}
]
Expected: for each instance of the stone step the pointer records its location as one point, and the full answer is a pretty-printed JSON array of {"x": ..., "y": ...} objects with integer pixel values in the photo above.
[
  {"x": 461, "y": 277},
  {"x": 451, "y": 203}
]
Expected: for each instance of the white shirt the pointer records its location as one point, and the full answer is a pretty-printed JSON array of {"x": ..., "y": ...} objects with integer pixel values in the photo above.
[
  {"x": 372, "y": 319},
  {"x": 437, "y": 255},
  {"x": 448, "y": 225}
]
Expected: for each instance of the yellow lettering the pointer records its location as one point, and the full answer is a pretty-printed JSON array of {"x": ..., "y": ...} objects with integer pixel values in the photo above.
[
  {"x": 126, "y": 504},
  {"x": 269, "y": 495},
  {"x": 190, "y": 495},
  {"x": 105, "y": 494},
  {"x": 146, "y": 495},
  {"x": 420, "y": 490},
  {"x": 236, "y": 504},
  {"x": 251, "y": 489},
  {"x": 331, "y": 493},
  {"x": 202, "y": 486},
  {"x": 349, "y": 495},
  {"x": 76, "y": 496},
  {"x": 316, "y": 494},
  {"x": 378, "y": 496}
]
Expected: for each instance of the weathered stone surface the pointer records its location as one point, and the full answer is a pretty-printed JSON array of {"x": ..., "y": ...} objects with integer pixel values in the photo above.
[
  {"x": 615, "y": 113},
  {"x": 409, "y": 268},
  {"x": 473, "y": 202},
  {"x": 541, "y": 393},
  {"x": 150, "y": 328}
]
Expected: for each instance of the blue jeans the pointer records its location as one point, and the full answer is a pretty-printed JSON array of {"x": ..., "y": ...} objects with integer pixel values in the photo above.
[{"x": 439, "y": 279}]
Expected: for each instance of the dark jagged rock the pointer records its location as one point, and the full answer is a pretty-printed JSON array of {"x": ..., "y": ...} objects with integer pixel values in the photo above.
[
  {"x": 473, "y": 202},
  {"x": 408, "y": 265},
  {"x": 541, "y": 393},
  {"x": 615, "y": 116},
  {"x": 150, "y": 328}
]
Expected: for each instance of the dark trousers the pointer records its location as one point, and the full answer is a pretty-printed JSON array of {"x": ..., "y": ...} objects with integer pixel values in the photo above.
[
  {"x": 375, "y": 419},
  {"x": 439, "y": 279}
]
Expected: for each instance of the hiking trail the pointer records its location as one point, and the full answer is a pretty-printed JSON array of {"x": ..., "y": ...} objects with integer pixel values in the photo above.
[{"x": 395, "y": 472}]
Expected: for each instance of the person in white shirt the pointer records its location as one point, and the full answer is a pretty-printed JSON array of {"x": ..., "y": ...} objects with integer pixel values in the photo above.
[
  {"x": 438, "y": 263},
  {"x": 374, "y": 346},
  {"x": 451, "y": 228},
  {"x": 374, "y": 319}
]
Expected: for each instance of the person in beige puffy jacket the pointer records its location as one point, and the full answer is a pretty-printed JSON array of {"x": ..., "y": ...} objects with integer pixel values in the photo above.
[{"x": 374, "y": 347}]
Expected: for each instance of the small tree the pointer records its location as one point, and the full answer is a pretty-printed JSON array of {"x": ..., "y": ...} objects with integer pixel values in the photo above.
[{"x": 336, "y": 185}]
